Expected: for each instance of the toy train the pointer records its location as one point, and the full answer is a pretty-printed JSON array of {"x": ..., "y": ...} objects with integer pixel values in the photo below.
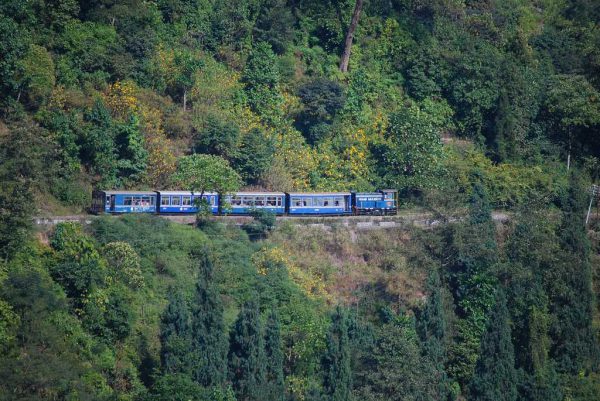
[{"x": 382, "y": 202}]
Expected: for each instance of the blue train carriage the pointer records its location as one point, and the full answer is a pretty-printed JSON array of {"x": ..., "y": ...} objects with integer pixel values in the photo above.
[
  {"x": 186, "y": 201},
  {"x": 245, "y": 202},
  {"x": 124, "y": 201},
  {"x": 323, "y": 203},
  {"x": 381, "y": 202}
]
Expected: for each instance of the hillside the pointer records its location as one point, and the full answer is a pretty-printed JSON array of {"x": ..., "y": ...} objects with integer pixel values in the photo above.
[{"x": 462, "y": 106}]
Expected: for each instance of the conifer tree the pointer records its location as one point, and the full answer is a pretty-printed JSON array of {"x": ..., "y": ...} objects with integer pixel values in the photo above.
[
  {"x": 472, "y": 255},
  {"x": 571, "y": 298},
  {"x": 176, "y": 336},
  {"x": 210, "y": 342},
  {"x": 495, "y": 374},
  {"x": 274, "y": 386},
  {"x": 336, "y": 362},
  {"x": 431, "y": 327},
  {"x": 246, "y": 358}
]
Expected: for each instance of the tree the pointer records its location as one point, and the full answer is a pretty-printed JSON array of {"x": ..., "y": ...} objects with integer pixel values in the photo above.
[
  {"x": 99, "y": 149},
  {"x": 350, "y": 36},
  {"x": 472, "y": 256},
  {"x": 209, "y": 340},
  {"x": 393, "y": 368},
  {"x": 176, "y": 336},
  {"x": 132, "y": 155},
  {"x": 205, "y": 173},
  {"x": 125, "y": 263},
  {"x": 261, "y": 77},
  {"x": 37, "y": 76},
  {"x": 246, "y": 359},
  {"x": 574, "y": 105},
  {"x": 255, "y": 155},
  {"x": 432, "y": 329},
  {"x": 569, "y": 288},
  {"x": 274, "y": 385},
  {"x": 495, "y": 376},
  {"x": 337, "y": 381},
  {"x": 413, "y": 153},
  {"x": 219, "y": 137},
  {"x": 322, "y": 99}
]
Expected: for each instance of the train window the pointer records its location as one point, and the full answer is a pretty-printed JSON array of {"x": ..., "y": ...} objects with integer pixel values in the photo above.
[
  {"x": 338, "y": 201},
  {"x": 247, "y": 200},
  {"x": 176, "y": 200},
  {"x": 279, "y": 201},
  {"x": 272, "y": 201},
  {"x": 187, "y": 201},
  {"x": 307, "y": 202},
  {"x": 145, "y": 201},
  {"x": 128, "y": 201},
  {"x": 235, "y": 201},
  {"x": 327, "y": 201},
  {"x": 296, "y": 202},
  {"x": 164, "y": 201},
  {"x": 259, "y": 201}
]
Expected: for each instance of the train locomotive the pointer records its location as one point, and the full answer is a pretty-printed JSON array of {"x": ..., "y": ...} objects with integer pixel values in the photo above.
[{"x": 381, "y": 202}]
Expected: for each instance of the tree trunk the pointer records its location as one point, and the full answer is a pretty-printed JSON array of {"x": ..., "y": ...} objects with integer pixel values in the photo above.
[
  {"x": 184, "y": 100},
  {"x": 350, "y": 36}
]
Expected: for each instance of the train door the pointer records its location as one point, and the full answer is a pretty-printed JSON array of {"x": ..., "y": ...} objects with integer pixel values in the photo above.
[{"x": 112, "y": 203}]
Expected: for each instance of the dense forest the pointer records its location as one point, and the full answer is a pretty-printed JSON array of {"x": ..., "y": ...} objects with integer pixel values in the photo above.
[{"x": 464, "y": 106}]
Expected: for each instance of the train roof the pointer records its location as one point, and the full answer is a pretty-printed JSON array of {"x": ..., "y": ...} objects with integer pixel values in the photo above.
[
  {"x": 185, "y": 193},
  {"x": 259, "y": 193},
  {"x": 122, "y": 192},
  {"x": 319, "y": 193}
]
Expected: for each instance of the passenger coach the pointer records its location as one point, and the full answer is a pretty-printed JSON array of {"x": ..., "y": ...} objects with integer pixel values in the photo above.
[
  {"x": 186, "y": 201},
  {"x": 244, "y": 202},
  {"x": 324, "y": 203},
  {"x": 124, "y": 202}
]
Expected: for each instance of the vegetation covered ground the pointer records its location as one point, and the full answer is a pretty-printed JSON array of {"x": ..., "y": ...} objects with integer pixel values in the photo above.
[{"x": 463, "y": 106}]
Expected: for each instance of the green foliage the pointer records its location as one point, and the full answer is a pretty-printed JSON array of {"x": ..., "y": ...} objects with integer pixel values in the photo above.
[
  {"x": 263, "y": 223},
  {"x": 274, "y": 385},
  {"x": 204, "y": 173},
  {"x": 495, "y": 374},
  {"x": 412, "y": 157},
  {"x": 337, "y": 380},
  {"x": 125, "y": 263},
  {"x": 321, "y": 100},
  {"x": 261, "y": 77},
  {"x": 255, "y": 155},
  {"x": 393, "y": 368},
  {"x": 209, "y": 342},
  {"x": 573, "y": 340},
  {"x": 246, "y": 359},
  {"x": 37, "y": 75},
  {"x": 218, "y": 138},
  {"x": 176, "y": 337}
]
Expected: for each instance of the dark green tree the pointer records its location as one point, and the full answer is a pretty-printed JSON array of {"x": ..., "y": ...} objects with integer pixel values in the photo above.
[
  {"x": 393, "y": 368},
  {"x": 574, "y": 344},
  {"x": 99, "y": 150},
  {"x": 337, "y": 381},
  {"x": 472, "y": 257},
  {"x": 247, "y": 360},
  {"x": 274, "y": 385},
  {"x": 495, "y": 375},
  {"x": 209, "y": 339},
  {"x": 255, "y": 155},
  {"x": 176, "y": 336},
  {"x": 432, "y": 329},
  {"x": 322, "y": 99},
  {"x": 219, "y": 138},
  {"x": 261, "y": 77}
]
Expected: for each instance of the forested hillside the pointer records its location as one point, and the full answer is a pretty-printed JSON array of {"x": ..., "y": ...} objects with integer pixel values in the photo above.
[{"x": 463, "y": 106}]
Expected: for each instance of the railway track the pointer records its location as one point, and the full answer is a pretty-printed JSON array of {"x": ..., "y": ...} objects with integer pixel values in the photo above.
[{"x": 402, "y": 219}]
